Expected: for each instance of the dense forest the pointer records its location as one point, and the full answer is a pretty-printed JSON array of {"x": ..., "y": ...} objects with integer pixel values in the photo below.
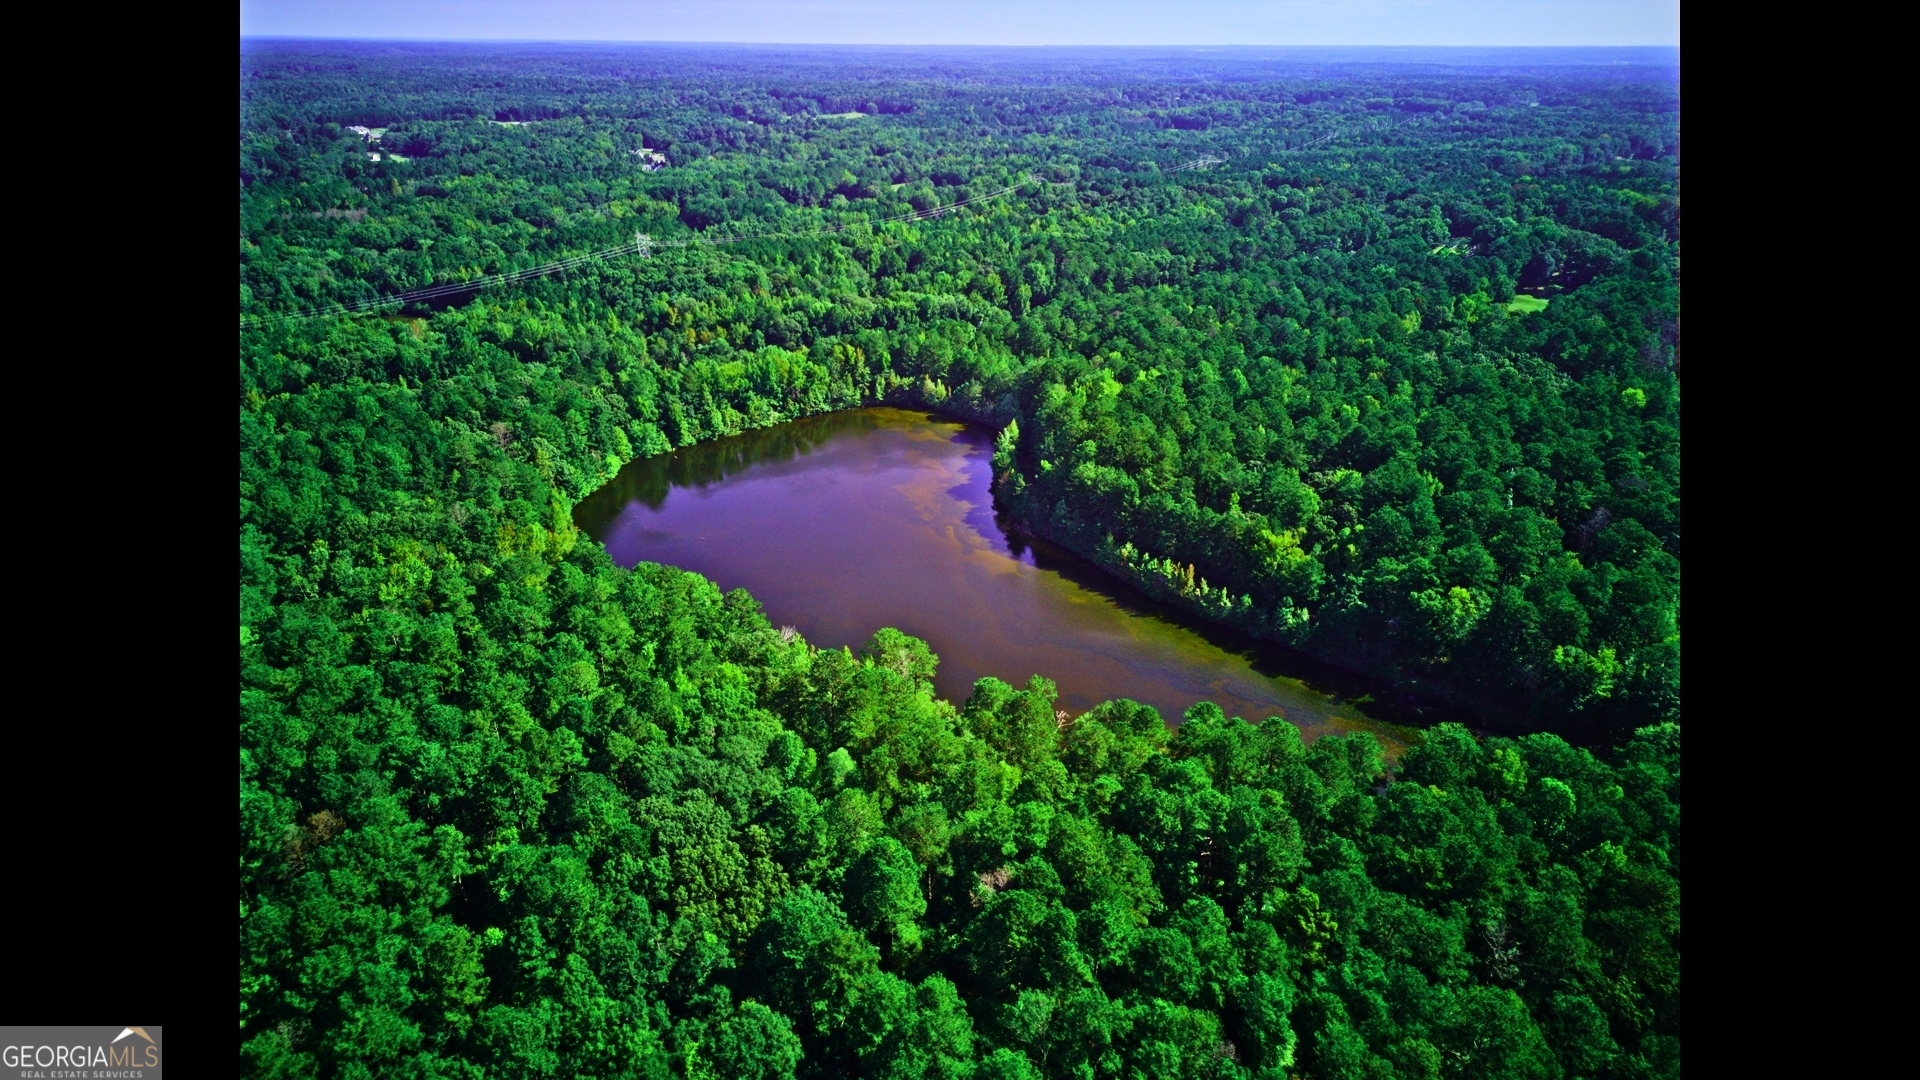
[{"x": 1394, "y": 382}]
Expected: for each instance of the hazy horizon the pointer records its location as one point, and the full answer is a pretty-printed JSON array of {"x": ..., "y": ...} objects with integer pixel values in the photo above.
[
  {"x": 953, "y": 46},
  {"x": 1468, "y": 24}
]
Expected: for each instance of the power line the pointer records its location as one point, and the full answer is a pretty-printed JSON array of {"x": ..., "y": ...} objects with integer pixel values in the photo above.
[
  {"x": 643, "y": 245},
  {"x": 1198, "y": 163}
]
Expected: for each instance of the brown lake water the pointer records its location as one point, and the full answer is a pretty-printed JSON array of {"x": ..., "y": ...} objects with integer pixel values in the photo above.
[{"x": 842, "y": 524}]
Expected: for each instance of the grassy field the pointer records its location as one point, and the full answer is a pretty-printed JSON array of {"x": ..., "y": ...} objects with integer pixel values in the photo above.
[{"x": 1526, "y": 305}]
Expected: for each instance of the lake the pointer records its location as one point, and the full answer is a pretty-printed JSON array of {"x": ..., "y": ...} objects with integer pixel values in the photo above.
[{"x": 845, "y": 523}]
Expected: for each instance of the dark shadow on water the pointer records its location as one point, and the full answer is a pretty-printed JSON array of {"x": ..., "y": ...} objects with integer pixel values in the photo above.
[
  {"x": 975, "y": 492},
  {"x": 649, "y": 481},
  {"x": 1337, "y": 685},
  {"x": 1267, "y": 659}
]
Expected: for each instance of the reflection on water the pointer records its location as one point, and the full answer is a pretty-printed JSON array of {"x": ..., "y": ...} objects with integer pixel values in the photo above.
[
  {"x": 648, "y": 480},
  {"x": 845, "y": 523}
]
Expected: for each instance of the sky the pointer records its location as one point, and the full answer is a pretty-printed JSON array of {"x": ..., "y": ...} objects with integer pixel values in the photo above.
[{"x": 982, "y": 22}]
